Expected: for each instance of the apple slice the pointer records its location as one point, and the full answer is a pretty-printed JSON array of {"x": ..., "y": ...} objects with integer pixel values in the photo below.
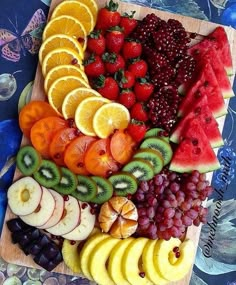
[
  {"x": 87, "y": 222},
  {"x": 43, "y": 212},
  {"x": 24, "y": 196},
  {"x": 70, "y": 218},
  {"x": 58, "y": 211}
]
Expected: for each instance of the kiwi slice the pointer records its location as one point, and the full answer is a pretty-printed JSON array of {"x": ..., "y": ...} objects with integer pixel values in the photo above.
[
  {"x": 86, "y": 189},
  {"x": 105, "y": 190},
  {"x": 159, "y": 144},
  {"x": 68, "y": 182},
  {"x": 157, "y": 132},
  {"x": 48, "y": 174},
  {"x": 153, "y": 156},
  {"x": 140, "y": 168},
  {"x": 123, "y": 183},
  {"x": 28, "y": 160}
]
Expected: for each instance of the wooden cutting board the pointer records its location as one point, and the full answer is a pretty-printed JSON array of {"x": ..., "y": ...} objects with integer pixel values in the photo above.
[{"x": 11, "y": 253}]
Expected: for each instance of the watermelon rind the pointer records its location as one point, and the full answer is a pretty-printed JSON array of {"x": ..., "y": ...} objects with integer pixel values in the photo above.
[{"x": 202, "y": 168}]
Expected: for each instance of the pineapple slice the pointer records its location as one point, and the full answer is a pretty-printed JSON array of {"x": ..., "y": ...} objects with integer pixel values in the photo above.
[
  {"x": 71, "y": 255},
  {"x": 131, "y": 265},
  {"x": 150, "y": 270},
  {"x": 173, "y": 269},
  {"x": 98, "y": 260},
  {"x": 115, "y": 261}
]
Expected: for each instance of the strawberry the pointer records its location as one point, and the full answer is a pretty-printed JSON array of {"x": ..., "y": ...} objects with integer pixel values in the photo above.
[
  {"x": 136, "y": 130},
  {"x": 128, "y": 23},
  {"x": 107, "y": 87},
  {"x": 143, "y": 89},
  {"x": 125, "y": 78},
  {"x": 138, "y": 112},
  {"x": 127, "y": 98},
  {"x": 113, "y": 62},
  {"x": 114, "y": 39},
  {"x": 96, "y": 42},
  {"x": 131, "y": 49},
  {"x": 138, "y": 67},
  {"x": 108, "y": 16},
  {"x": 94, "y": 66}
]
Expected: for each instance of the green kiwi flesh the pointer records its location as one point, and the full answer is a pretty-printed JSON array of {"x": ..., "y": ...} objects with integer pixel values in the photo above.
[
  {"x": 86, "y": 189},
  {"x": 68, "y": 182},
  {"x": 153, "y": 156},
  {"x": 28, "y": 160},
  {"x": 48, "y": 174},
  {"x": 159, "y": 144},
  {"x": 105, "y": 190},
  {"x": 123, "y": 183},
  {"x": 156, "y": 132},
  {"x": 140, "y": 168}
]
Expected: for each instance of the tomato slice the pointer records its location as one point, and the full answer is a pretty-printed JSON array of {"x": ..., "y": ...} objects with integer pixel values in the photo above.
[
  {"x": 32, "y": 112},
  {"x": 122, "y": 146},
  {"x": 60, "y": 141},
  {"x": 75, "y": 152},
  {"x": 98, "y": 159},
  {"x": 42, "y": 132}
]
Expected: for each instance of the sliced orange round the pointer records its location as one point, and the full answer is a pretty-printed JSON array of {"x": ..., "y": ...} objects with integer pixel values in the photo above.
[
  {"x": 66, "y": 25},
  {"x": 61, "y": 87},
  {"x": 85, "y": 112},
  {"x": 59, "y": 41},
  {"x": 110, "y": 117},
  {"x": 77, "y": 10},
  {"x": 92, "y": 5},
  {"x": 63, "y": 70},
  {"x": 74, "y": 98}
]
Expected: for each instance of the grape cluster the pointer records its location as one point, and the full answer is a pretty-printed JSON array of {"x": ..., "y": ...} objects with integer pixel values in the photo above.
[{"x": 171, "y": 202}]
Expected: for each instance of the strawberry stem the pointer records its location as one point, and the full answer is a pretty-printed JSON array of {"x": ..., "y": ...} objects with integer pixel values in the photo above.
[{"x": 112, "y": 6}]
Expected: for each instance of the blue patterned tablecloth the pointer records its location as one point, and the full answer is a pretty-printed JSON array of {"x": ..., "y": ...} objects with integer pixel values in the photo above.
[{"x": 21, "y": 26}]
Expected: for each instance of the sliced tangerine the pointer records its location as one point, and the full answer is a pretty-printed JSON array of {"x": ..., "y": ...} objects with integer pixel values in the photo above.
[
  {"x": 75, "y": 153},
  {"x": 98, "y": 159}
]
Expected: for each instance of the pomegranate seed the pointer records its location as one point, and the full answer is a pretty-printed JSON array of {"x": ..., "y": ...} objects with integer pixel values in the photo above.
[
  {"x": 176, "y": 249},
  {"x": 74, "y": 61},
  {"x": 129, "y": 196},
  {"x": 71, "y": 122},
  {"x": 93, "y": 211},
  {"x": 102, "y": 152},
  {"x": 57, "y": 156},
  {"x": 109, "y": 173},
  {"x": 84, "y": 205},
  {"x": 80, "y": 164},
  {"x": 142, "y": 274},
  {"x": 177, "y": 254},
  {"x": 66, "y": 198},
  {"x": 72, "y": 242}
]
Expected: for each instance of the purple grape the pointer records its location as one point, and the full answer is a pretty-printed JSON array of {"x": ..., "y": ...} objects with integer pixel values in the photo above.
[{"x": 169, "y": 213}]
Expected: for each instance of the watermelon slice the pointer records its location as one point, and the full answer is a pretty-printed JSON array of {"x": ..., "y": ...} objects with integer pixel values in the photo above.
[
  {"x": 217, "y": 39},
  {"x": 205, "y": 84},
  {"x": 202, "y": 113},
  {"x": 194, "y": 151}
]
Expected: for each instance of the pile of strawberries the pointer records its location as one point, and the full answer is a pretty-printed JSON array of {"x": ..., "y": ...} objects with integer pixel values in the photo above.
[{"x": 115, "y": 68}]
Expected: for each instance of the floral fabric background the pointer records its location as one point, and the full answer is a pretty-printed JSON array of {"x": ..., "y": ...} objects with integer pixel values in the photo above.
[{"x": 21, "y": 27}]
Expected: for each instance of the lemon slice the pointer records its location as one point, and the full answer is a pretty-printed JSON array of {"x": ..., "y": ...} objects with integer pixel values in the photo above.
[
  {"x": 85, "y": 112},
  {"x": 110, "y": 117}
]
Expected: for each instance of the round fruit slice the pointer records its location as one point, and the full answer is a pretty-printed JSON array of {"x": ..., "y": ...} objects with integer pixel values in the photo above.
[
  {"x": 61, "y": 71},
  {"x": 68, "y": 182},
  {"x": 92, "y": 5},
  {"x": 86, "y": 189},
  {"x": 74, "y": 98},
  {"x": 110, "y": 117},
  {"x": 98, "y": 260},
  {"x": 87, "y": 250},
  {"x": 59, "y": 41},
  {"x": 24, "y": 196},
  {"x": 157, "y": 132},
  {"x": 43, "y": 212},
  {"x": 61, "y": 87},
  {"x": 70, "y": 255},
  {"x": 140, "y": 168},
  {"x": 66, "y": 25},
  {"x": 85, "y": 112},
  {"x": 77, "y": 10},
  {"x": 61, "y": 56},
  {"x": 75, "y": 154},
  {"x": 123, "y": 183},
  {"x": 98, "y": 159},
  {"x": 115, "y": 261},
  {"x": 104, "y": 190},
  {"x": 131, "y": 263}
]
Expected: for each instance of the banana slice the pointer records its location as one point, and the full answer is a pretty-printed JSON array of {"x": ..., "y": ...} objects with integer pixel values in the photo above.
[{"x": 173, "y": 269}]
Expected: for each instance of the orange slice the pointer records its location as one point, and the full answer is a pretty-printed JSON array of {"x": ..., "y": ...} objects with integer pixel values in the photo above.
[
  {"x": 77, "y": 10},
  {"x": 61, "y": 87},
  {"x": 74, "y": 98},
  {"x": 110, "y": 117},
  {"x": 59, "y": 41},
  {"x": 85, "y": 112},
  {"x": 63, "y": 70},
  {"x": 92, "y": 5}
]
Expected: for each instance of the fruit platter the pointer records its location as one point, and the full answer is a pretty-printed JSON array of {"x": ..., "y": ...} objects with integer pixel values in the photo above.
[{"x": 119, "y": 143}]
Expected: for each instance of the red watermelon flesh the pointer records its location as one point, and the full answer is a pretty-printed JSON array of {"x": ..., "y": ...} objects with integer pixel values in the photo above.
[
  {"x": 202, "y": 113},
  {"x": 194, "y": 151},
  {"x": 205, "y": 84},
  {"x": 219, "y": 40}
]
